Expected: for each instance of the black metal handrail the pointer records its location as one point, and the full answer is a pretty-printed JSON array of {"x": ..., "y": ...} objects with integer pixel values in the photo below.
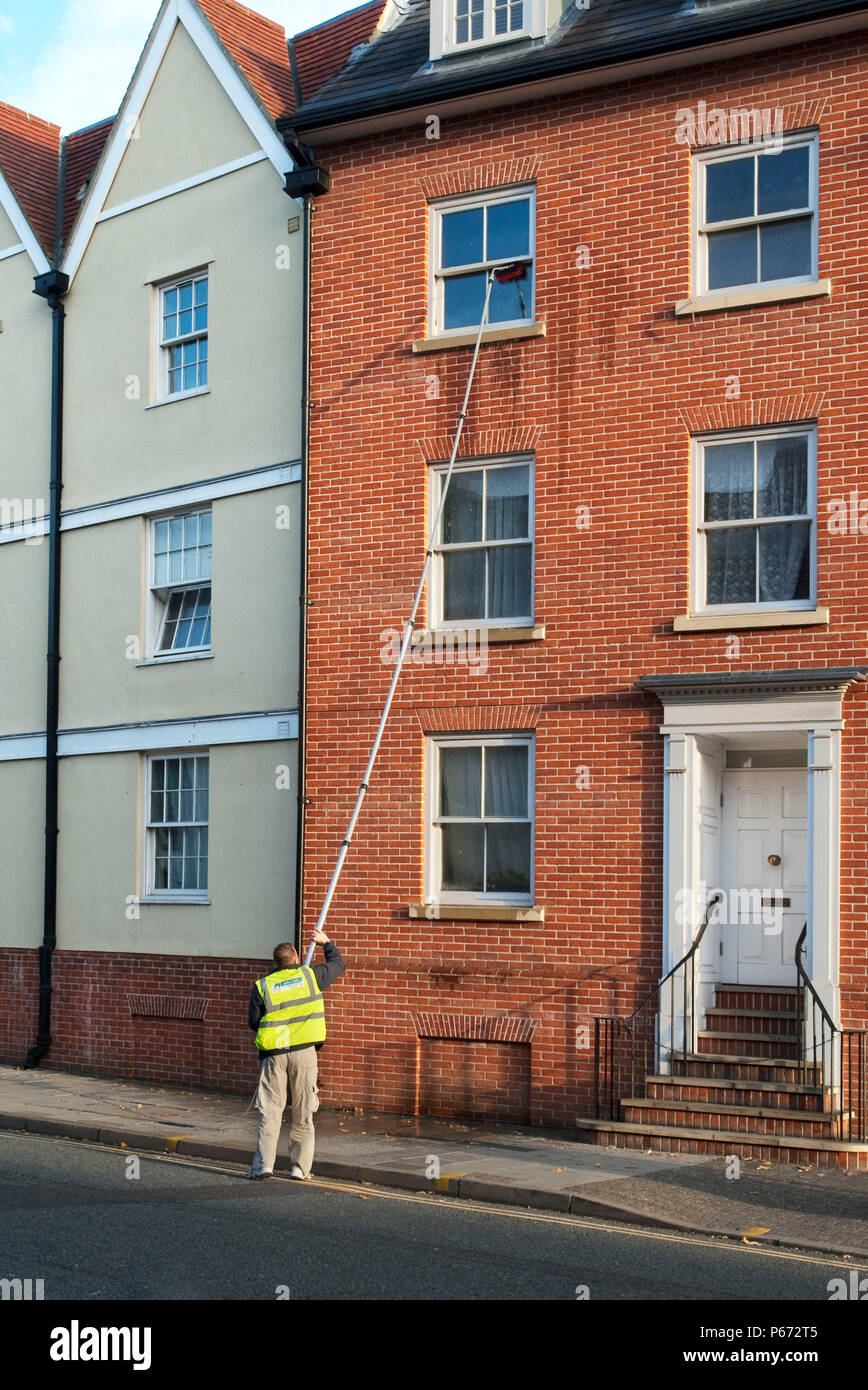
[
  {"x": 832, "y": 1057},
  {"x": 624, "y": 1046}
]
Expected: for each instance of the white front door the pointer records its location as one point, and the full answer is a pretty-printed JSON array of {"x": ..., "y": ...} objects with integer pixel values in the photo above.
[{"x": 764, "y": 874}]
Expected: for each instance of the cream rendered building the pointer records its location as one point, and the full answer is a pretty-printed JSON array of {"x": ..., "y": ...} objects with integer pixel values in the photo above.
[{"x": 180, "y": 562}]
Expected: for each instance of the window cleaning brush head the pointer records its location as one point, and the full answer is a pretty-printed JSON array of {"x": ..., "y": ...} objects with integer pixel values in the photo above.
[{"x": 516, "y": 271}]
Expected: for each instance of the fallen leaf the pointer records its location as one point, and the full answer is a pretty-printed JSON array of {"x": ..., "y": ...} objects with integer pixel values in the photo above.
[{"x": 753, "y": 1231}]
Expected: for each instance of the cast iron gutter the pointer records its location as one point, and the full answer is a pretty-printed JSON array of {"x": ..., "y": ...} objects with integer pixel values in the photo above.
[
  {"x": 51, "y": 287},
  {"x": 548, "y": 63},
  {"x": 305, "y": 181}
]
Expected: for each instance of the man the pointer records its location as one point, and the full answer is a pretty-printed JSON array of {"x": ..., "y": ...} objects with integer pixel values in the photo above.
[{"x": 287, "y": 1014}]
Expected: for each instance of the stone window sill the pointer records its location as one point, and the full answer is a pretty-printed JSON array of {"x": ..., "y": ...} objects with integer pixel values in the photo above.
[
  {"x": 743, "y": 299},
  {"x": 728, "y": 622},
  {"x": 179, "y": 396},
  {"x": 489, "y": 335},
  {"x": 151, "y": 899},
  {"x": 481, "y": 635},
  {"x": 474, "y": 912}
]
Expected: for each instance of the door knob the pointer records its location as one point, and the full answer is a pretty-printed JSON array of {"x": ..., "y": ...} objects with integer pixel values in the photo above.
[{"x": 774, "y": 860}]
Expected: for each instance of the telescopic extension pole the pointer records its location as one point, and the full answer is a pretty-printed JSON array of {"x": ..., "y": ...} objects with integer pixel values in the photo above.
[{"x": 408, "y": 633}]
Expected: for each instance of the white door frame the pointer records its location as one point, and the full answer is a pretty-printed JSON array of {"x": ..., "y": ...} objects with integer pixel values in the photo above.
[{"x": 727, "y": 707}]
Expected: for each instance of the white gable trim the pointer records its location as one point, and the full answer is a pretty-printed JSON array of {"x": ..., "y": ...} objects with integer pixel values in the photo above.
[
  {"x": 186, "y": 13},
  {"x": 194, "y": 182},
  {"x": 28, "y": 241},
  {"x": 12, "y": 251}
]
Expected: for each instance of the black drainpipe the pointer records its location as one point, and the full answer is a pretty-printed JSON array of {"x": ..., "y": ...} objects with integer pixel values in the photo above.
[
  {"x": 305, "y": 181},
  {"x": 51, "y": 287}
]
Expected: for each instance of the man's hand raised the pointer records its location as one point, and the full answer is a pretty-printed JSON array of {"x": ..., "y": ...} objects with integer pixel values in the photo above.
[{"x": 320, "y": 938}]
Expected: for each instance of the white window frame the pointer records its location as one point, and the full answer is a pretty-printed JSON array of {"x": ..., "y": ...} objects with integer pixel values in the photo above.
[
  {"x": 700, "y": 606},
  {"x": 433, "y": 843},
  {"x": 436, "y": 277},
  {"x": 436, "y": 622},
  {"x": 442, "y": 34},
  {"x": 151, "y": 893},
  {"x": 162, "y": 393},
  {"x": 723, "y": 154},
  {"x": 158, "y": 596}
]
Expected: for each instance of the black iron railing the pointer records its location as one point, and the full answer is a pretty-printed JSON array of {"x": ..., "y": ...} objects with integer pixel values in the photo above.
[
  {"x": 626, "y": 1050},
  {"x": 832, "y": 1057}
]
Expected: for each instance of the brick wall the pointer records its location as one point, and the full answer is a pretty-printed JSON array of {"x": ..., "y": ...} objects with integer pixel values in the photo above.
[
  {"x": 95, "y": 1030},
  {"x": 607, "y": 400}
]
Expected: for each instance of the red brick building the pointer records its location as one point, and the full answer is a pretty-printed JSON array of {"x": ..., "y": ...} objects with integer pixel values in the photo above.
[{"x": 652, "y": 546}]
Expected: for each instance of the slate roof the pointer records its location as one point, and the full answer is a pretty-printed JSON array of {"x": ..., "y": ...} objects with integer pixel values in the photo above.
[{"x": 395, "y": 72}]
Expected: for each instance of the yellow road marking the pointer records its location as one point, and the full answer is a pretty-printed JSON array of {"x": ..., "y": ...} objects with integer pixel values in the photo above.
[
  {"x": 442, "y": 1183},
  {"x": 174, "y": 1140}
]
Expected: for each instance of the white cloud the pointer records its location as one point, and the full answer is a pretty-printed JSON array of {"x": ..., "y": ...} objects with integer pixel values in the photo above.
[{"x": 6, "y": 25}]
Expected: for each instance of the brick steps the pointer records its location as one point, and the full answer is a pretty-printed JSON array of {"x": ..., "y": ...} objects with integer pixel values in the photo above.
[
  {"x": 741, "y": 1119},
  {"x": 742, "y": 1092},
  {"x": 724, "y": 1065},
  {"x": 770, "y": 1148},
  {"x": 773, "y": 1021},
  {"x": 727, "y": 1091},
  {"x": 747, "y": 1044}
]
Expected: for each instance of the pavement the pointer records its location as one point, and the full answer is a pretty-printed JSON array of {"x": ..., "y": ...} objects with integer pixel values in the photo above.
[{"x": 812, "y": 1208}]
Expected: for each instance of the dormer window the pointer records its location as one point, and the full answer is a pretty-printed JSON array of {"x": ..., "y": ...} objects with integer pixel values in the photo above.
[
  {"x": 480, "y": 21},
  {"x": 458, "y": 25}
]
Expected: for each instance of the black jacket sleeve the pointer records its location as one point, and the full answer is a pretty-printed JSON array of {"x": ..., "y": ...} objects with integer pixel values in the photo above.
[
  {"x": 327, "y": 973},
  {"x": 255, "y": 1009}
]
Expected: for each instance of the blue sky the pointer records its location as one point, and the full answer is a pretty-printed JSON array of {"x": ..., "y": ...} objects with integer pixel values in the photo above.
[{"x": 70, "y": 61}]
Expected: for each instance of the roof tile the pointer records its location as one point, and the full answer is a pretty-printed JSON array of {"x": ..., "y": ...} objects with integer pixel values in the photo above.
[
  {"x": 82, "y": 150},
  {"x": 323, "y": 51},
  {"x": 30, "y": 161},
  {"x": 259, "y": 48}
]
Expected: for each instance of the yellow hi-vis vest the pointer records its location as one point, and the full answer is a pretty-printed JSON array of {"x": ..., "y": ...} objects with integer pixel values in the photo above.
[{"x": 294, "y": 1013}]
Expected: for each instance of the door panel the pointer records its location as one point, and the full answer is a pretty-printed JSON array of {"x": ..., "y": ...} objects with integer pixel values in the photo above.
[{"x": 765, "y": 817}]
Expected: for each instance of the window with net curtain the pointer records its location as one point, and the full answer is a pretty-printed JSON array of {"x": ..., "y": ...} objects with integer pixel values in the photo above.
[
  {"x": 485, "y": 546},
  {"x": 756, "y": 521},
  {"x": 483, "y": 819}
]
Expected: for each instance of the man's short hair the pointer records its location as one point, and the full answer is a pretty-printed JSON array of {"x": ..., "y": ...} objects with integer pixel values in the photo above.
[{"x": 285, "y": 955}]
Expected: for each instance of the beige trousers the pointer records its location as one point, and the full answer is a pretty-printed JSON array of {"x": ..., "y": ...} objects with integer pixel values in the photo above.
[{"x": 297, "y": 1072}]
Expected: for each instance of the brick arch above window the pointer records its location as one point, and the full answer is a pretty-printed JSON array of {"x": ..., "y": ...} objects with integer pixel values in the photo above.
[
  {"x": 511, "y": 439},
  {"x": 461, "y": 719},
  {"x": 749, "y": 412},
  {"x": 797, "y": 116},
  {"x": 501, "y": 174}
]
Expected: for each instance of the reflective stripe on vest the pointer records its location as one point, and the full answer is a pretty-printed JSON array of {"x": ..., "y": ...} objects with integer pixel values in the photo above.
[{"x": 294, "y": 1013}]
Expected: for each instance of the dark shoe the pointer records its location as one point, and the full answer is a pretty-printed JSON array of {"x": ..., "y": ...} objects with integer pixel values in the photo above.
[{"x": 259, "y": 1177}]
